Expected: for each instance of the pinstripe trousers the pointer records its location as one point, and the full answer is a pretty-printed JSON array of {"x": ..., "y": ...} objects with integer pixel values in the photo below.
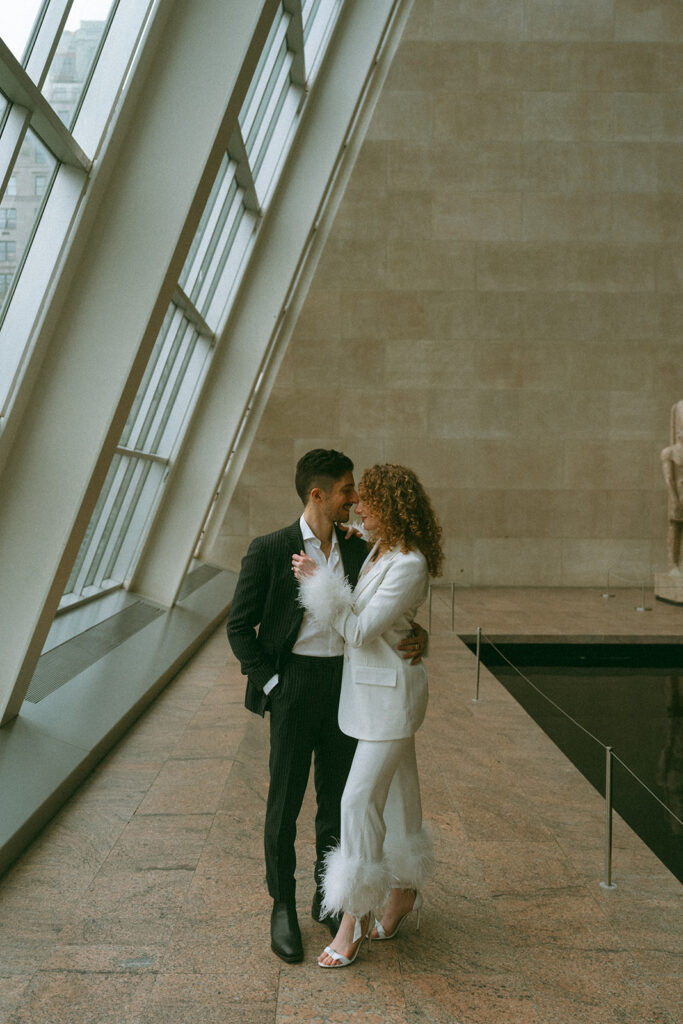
[{"x": 303, "y": 726}]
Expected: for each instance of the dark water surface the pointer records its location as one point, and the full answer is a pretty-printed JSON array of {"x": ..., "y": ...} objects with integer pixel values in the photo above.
[{"x": 629, "y": 696}]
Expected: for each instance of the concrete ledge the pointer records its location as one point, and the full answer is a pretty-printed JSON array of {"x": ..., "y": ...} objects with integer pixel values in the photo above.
[{"x": 47, "y": 751}]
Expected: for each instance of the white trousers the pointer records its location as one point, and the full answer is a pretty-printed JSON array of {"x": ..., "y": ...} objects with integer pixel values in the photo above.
[{"x": 383, "y": 843}]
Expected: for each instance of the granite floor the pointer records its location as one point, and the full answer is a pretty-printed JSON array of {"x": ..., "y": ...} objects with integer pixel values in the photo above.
[{"x": 144, "y": 899}]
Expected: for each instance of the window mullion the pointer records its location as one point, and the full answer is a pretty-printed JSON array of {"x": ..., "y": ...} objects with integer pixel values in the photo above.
[
  {"x": 11, "y": 142},
  {"x": 243, "y": 172},
  {"x": 18, "y": 88},
  {"x": 47, "y": 40},
  {"x": 295, "y": 41},
  {"x": 183, "y": 301}
]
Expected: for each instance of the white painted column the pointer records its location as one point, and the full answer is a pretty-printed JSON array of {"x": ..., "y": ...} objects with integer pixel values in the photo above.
[{"x": 244, "y": 342}]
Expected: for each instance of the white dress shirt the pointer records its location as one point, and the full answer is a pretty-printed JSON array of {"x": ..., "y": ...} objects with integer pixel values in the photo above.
[{"x": 313, "y": 640}]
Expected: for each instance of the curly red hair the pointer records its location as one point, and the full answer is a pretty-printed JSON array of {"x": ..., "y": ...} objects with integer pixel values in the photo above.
[{"x": 399, "y": 501}]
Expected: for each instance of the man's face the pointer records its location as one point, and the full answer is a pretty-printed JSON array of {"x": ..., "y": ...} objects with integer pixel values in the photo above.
[{"x": 337, "y": 502}]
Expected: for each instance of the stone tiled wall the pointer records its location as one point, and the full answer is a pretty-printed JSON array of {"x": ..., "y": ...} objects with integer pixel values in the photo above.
[{"x": 499, "y": 301}]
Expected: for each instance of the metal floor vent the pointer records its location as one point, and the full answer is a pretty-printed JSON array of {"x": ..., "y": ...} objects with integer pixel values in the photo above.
[{"x": 58, "y": 666}]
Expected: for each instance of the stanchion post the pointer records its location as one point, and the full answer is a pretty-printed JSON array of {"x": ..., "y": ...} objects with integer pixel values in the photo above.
[
  {"x": 608, "y": 883},
  {"x": 476, "y": 684},
  {"x": 452, "y": 607}
]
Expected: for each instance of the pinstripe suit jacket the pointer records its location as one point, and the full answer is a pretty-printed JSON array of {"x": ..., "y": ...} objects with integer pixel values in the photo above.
[{"x": 267, "y": 596}]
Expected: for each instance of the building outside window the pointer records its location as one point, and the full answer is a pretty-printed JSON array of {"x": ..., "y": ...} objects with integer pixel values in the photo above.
[{"x": 8, "y": 251}]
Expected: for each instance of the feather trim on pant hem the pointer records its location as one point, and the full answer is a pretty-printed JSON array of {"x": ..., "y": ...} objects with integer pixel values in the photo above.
[
  {"x": 411, "y": 861},
  {"x": 354, "y": 885}
]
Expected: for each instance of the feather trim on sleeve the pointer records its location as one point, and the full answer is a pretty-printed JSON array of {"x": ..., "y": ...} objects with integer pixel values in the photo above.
[{"x": 324, "y": 595}]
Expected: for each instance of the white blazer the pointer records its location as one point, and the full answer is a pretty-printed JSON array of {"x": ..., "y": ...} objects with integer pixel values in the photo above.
[{"x": 383, "y": 696}]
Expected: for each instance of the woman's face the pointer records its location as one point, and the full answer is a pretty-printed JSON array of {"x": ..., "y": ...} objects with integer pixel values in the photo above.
[{"x": 368, "y": 515}]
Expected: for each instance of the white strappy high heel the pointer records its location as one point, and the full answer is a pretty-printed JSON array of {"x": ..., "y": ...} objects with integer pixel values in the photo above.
[
  {"x": 417, "y": 906},
  {"x": 358, "y": 935}
]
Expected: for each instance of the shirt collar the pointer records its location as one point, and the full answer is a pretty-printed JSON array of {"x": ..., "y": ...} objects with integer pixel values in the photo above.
[{"x": 307, "y": 534}]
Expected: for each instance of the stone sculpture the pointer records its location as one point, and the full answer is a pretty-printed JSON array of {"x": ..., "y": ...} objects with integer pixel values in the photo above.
[{"x": 669, "y": 586}]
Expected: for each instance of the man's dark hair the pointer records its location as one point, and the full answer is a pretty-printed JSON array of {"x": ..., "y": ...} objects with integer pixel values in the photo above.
[{"x": 320, "y": 467}]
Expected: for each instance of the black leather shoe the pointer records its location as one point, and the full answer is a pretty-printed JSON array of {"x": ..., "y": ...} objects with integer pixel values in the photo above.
[
  {"x": 332, "y": 921},
  {"x": 285, "y": 937}
]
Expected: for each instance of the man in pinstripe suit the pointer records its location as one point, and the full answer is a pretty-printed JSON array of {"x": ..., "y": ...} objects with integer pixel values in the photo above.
[{"x": 294, "y": 670}]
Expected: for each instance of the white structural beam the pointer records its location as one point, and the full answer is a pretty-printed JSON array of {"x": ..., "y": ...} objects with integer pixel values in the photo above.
[
  {"x": 100, "y": 342},
  {"x": 245, "y": 340}
]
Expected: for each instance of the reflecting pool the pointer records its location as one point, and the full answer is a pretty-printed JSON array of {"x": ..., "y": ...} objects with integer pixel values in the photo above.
[{"x": 629, "y": 696}]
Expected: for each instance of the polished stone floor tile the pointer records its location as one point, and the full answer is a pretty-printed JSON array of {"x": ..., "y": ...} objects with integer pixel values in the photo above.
[
  {"x": 187, "y": 787},
  {"x": 56, "y": 997},
  {"x": 144, "y": 901}
]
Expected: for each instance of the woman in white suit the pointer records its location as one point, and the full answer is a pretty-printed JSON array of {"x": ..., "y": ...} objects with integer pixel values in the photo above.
[{"x": 385, "y": 852}]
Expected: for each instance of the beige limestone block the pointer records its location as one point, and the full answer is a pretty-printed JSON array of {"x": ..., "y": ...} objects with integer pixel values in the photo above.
[
  {"x": 322, "y": 307},
  {"x": 484, "y": 166},
  {"x": 520, "y": 267},
  {"x": 569, "y": 19},
  {"x": 619, "y": 67},
  {"x": 290, "y": 412},
  {"x": 383, "y": 315},
  {"x": 566, "y": 217},
  {"x": 409, "y": 164},
  {"x": 530, "y": 366},
  {"x": 586, "y": 562},
  {"x": 619, "y": 465},
  {"x": 632, "y": 415},
  {"x": 569, "y": 116},
  {"x": 371, "y": 163},
  {"x": 467, "y": 216},
  {"x": 644, "y": 316},
  {"x": 646, "y": 21},
  {"x": 666, "y": 373},
  {"x": 631, "y": 514},
  {"x": 403, "y": 115},
  {"x": 463, "y": 316},
  {"x": 358, "y": 364},
  {"x": 458, "y": 564},
  {"x": 427, "y": 364},
  {"x": 312, "y": 358},
  {"x": 432, "y": 66},
  {"x": 517, "y": 561},
  {"x": 669, "y": 158},
  {"x": 478, "y": 116},
  {"x": 647, "y": 218},
  {"x": 639, "y": 116},
  {"x": 547, "y": 166},
  {"x": 524, "y": 66},
  {"x": 269, "y": 463},
  {"x": 453, "y": 414},
  {"x": 561, "y": 414},
  {"x": 351, "y": 264},
  {"x": 605, "y": 267},
  {"x": 671, "y": 318},
  {"x": 420, "y": 23},
  {"x": 608, "y": 367},
  {"x": 634, "y": 167},
  {"x": 486, "y": 20},
  {"x": 572, "y": 316},
  {"x": 669, "y": 269},
  {"x": 430, "y": 264},
  {"x": 376, "y": 213},
  {"x": 280, "y": 507}
]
